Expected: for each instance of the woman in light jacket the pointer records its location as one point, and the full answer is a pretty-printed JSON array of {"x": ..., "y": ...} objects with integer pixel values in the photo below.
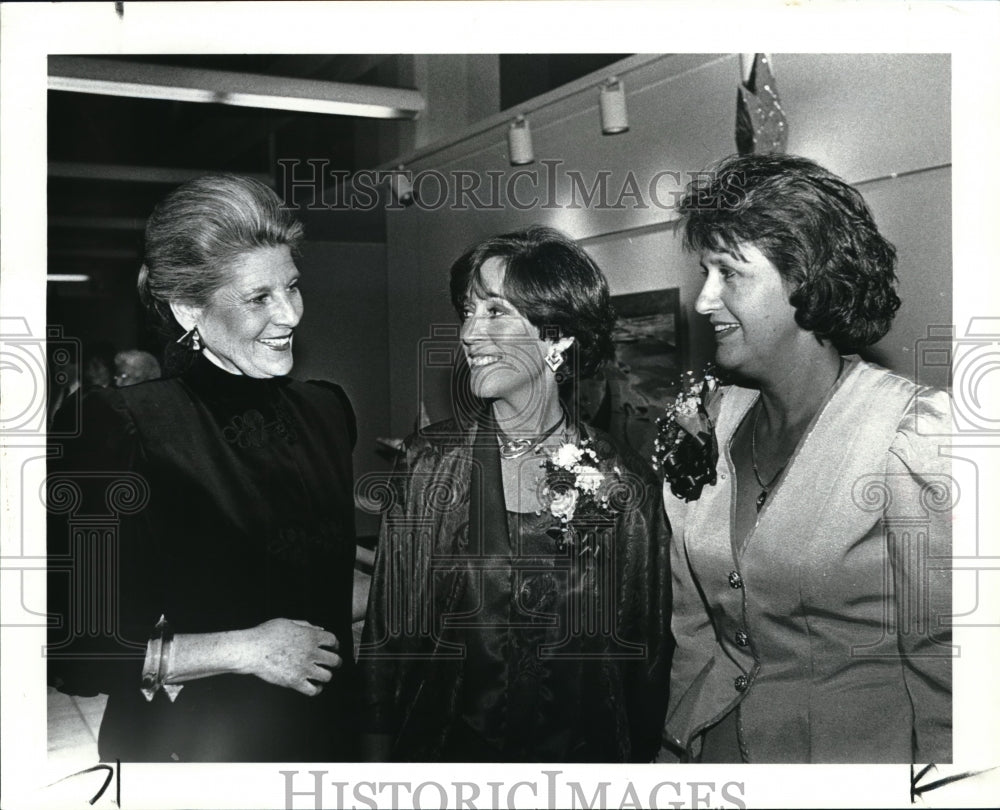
[{"x": 812, "y": 570}]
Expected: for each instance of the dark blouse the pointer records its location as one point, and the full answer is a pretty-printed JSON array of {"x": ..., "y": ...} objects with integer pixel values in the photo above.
[
  {"x": 220, "y": 502},
  {"x": 522, "y": 650}
]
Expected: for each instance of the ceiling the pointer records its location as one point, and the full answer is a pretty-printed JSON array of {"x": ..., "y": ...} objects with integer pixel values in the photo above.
[
  {"x": 108, "y": 154},
  {"x": 111, "y": 158}
]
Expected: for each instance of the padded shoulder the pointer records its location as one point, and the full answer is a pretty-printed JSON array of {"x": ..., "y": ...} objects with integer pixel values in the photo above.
[{"x": 345, "y": 403}]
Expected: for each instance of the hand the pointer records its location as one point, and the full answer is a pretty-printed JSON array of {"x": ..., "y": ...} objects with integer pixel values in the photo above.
[{"x": 293, "y": 654}]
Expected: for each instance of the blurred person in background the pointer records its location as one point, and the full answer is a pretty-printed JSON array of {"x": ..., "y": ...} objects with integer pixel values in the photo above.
[{"x": 134, "y": 366}]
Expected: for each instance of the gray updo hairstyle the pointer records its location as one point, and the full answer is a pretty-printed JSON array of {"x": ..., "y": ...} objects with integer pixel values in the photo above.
[{"x": 197, "y": 232}]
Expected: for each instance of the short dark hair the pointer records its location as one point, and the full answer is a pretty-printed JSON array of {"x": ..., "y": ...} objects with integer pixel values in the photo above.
[
  {"x": 199, "y": 230},
  {"x": 98, "y": 367},
  {"x": 814, "y": 228},
  {"x": 554, "y": 283}
]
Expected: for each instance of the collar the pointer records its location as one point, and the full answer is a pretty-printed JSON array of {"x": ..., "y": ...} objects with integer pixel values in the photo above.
[{"x": 207, "y": 378}]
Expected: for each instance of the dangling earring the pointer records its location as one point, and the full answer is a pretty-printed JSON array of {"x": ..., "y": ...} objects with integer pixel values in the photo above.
[
  {"x": 191, "y": 340},
  {"x": 554, "y": 359}
]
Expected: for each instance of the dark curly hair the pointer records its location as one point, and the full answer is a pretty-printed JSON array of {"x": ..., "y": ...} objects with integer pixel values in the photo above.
[
  {"x": 814, "y": 228},
  {"x": 554, "y": 283}
]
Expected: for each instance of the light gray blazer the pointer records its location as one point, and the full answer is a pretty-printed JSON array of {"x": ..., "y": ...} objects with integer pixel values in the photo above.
[{"x": 828, "y": 626}]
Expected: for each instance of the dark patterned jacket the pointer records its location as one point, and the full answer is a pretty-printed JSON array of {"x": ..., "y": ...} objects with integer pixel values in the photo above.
[{"x": 581, "y": 649}]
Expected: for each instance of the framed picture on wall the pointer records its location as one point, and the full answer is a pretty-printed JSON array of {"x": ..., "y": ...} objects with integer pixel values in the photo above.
[{"x": 631, "y": 391}]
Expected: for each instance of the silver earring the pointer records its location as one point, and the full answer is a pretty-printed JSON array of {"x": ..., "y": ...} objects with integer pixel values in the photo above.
[
  {"x": 191, "y": 340},
  {"x": 554, "y": 359}
]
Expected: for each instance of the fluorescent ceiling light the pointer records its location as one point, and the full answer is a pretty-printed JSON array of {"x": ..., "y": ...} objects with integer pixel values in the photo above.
[
  {"x": 134, "y": 174},
  {"x": 76, "y": 277},
  {"x": 81, "y": 74}
]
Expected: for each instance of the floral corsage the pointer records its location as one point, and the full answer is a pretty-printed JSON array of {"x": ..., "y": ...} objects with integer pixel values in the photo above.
[
  {"x": 579, "y": 488},
  {"x": 685, "y": 449}
]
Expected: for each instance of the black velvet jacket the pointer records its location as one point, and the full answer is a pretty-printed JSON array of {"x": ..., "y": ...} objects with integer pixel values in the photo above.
[
  {"x": 218, "y": 501},
  {"x": 523, "y": 651}
]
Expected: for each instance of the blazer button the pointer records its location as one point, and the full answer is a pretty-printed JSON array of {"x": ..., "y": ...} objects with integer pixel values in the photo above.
[
  {"x": 741, "y": 683},
  {"x": 735, "y": 580},
  {"x": 742, "y": 638}
]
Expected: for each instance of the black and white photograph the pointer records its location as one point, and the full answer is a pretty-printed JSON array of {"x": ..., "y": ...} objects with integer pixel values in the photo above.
[{"x": 478, "y": 405}]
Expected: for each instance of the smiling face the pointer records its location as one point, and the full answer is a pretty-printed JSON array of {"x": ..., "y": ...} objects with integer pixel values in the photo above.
[
  {"x": 505, "y": 354},
  {"x": 247, "y": 325},
  {"x": 747, "y": 303}
]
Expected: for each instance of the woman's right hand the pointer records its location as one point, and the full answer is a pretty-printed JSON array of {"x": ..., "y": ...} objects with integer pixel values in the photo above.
[{"x": 293, "y": 654}]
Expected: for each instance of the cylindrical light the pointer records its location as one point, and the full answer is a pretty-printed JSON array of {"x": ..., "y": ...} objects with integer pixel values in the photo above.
[
  {"x": 519, "y": 142},
  {"x": 614, "y": 116},
  {"x": 401, "y": 186}
]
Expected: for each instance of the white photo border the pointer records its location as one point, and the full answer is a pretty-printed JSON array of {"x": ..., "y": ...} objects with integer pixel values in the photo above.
[{"x": 32, "y": 31}]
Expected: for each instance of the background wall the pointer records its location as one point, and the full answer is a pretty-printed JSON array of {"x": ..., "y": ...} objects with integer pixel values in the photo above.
[
  {"x": 880, "y": 121},
  {"x": 378, "y": 318},
  {"x": 343, "y": 338}
]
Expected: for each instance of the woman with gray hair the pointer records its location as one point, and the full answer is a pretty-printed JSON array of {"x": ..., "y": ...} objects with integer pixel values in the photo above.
[{"x": 231, "y": 637}]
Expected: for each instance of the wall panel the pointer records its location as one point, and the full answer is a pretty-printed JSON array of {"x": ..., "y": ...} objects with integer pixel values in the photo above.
[
  {"x": 866, "y": 116},
  {"x": 342, "y": 338}
]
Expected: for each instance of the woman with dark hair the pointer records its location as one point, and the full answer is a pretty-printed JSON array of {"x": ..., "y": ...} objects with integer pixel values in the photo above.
[
  {"x": 519, "y": 608},
  {"x": 218, "y": 615},
  {"x": 811, "y": 561}
]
